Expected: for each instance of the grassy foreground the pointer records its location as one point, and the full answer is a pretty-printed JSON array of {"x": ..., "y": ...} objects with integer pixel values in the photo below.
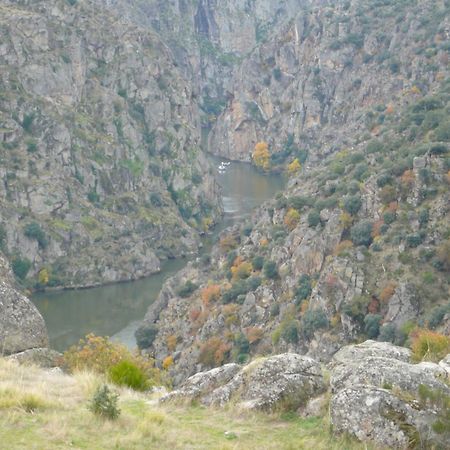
[{"x": 44, "y": 410}]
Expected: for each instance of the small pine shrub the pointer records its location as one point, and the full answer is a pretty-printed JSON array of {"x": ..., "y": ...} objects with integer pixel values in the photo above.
[
  {"x": 270, "y": 270},
  {"x": 104, "y": 403},
  {"x": 187, "y": 289},
  {"x": 145, "y": 335},
  {"x": 125, "y": 373}
]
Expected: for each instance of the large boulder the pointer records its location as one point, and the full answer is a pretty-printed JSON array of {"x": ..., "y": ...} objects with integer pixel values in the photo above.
[
  {"x": 388, "y": 372},
  {"x": 284, "y": 381},
  {"x": 374, "y": 414},
  {"x": 379, "y": 396},
  {"x": 358, "y": 352},
  {"x": 21, "y": 325},
  {"x": 203, "y": 383},
  {"x": 42, "y": 357}
]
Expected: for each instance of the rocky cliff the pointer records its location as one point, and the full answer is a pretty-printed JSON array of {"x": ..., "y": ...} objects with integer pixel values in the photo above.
[
  {"x": 102, "y": 174},
  {"x": 311, "y": 84}
]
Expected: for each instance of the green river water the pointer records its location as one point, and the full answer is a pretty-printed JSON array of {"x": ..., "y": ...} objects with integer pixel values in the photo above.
[{"x": 115, "y": 310}]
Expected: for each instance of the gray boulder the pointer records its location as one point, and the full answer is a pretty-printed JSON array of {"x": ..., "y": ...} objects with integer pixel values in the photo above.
[
  {"x": 278, "y": 382},
  {"x": 373, "y": 414},
  {"x": 203, "y": 383},
  {"x": 21, "y": 325},
  {"x": 358, "y": 352},
  {"x": 42, "y": 357},
  {"x": 377, "y": 395},
  {"x": 387, "y": 372}
]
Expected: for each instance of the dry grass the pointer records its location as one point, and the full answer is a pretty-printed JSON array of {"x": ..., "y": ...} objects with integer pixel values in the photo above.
[{"x": 47, "y": 410}]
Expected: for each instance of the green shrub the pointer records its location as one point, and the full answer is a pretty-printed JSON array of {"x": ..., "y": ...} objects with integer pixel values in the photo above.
[
  {"x": 187, "y": 289},
  {"x": 437, "y": 314},
  {"x": 389, "y": 217},
  {"x": 313, "y": 218},
  {"x": 372, "y": 325},
  {"x": 104, "y": 403},
  {"x": 21, "y": 267},
  {"x": 289, "y": 332},
  {"x": 387, "y": 333},
  {"x": 145, "y": 335},
  {"x": 353, "y": 204},
  {"x": 361, "y": 233},
  {"x": 3, "y": 237},
  {"x": 304, "y": 287},
  {"x": 258, "y": 262},
  {"x": 313, "y": 320},
  {"x": 34, "y": 231},
  {"x": 270, "y": 270},
  {"x": 27, "y": 122},
  {"x": 125, "y": 373}
]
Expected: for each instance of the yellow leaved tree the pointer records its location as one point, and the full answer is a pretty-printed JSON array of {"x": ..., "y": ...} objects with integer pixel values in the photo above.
[
  {"x": 294, "y": 167},
  {"x": 261, "y": 155}
]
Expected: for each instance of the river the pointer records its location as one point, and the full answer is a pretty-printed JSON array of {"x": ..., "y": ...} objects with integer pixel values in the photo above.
[{"x": 115, "y": 310}]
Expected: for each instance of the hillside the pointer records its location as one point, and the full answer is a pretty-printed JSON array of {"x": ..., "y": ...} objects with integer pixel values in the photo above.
[{"x": 102, "y": 174}]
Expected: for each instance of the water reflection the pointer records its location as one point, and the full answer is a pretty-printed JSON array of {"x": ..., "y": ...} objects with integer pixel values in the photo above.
[{"x": 115, "y": 310}]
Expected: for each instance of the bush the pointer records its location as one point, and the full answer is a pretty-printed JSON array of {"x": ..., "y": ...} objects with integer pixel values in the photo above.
[
  {"x": 313, "y": 218},
  {"x": 3, "y": 237},
  {"x": 428, "y": 345},
  {"x": 313, "y": 320},
  {"x": 34, "y": 231},
  {"x": 353, "y": 204},
  {"x": 213, "y": 352},
  {"x": 304, "y": 287},
  {"x": 145, "y": 335},
  {"x": 104, "y": 403},
  {"x": 291, "y": 218},
  {"x": 361, "y": 233},
  {"x": 99, "y": 354},
  {"x": 258, "y": 262},
  {"x": 289, "y": 332},
  {"x": 187, "y": 289},
  {"x": 125, "y": 373},
  {"x": 437, "y": 314},
  {"x": 387, "y": 333},
  {"x": 389, "y": 217},
  {"x": 372, "y": 325},
  {"x": 21, "y": 267},
  {"x": 270, "y": 270}
]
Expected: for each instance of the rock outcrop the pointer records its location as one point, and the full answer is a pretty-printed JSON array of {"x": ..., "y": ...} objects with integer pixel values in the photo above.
[
  {"x": 21, "y": 325},
  {"x": 378, "y": 396},
  {"x": 279, "y": 382}
]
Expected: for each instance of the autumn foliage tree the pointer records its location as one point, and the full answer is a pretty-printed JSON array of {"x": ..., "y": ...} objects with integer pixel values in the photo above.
[
  {"x": 261, "y": 156},
  {"x": 291, "y": 218},
  {"x": 294, "y": 167}
]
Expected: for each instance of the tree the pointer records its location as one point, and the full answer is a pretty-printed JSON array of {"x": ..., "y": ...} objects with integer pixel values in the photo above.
[
  {"x": 270, "y": 270},
  {"x": 294, "y": 167},
  {"x": 313, "y": 218},
  {"x": 261, "y": 155},
  {"x": 352, "y": 204},
  {"x": 361, "y": 233},
  {"x": 291, "y": 218}
]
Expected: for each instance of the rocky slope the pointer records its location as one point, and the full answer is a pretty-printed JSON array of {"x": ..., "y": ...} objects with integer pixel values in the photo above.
[
  {"x": 358, "y": 245},
  {"x": 102, "y": 175}
]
